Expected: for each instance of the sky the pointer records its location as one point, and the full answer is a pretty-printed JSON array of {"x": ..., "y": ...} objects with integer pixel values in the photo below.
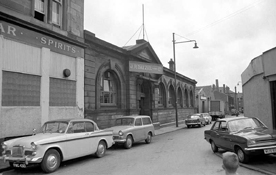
[{"x": 229, "y": 33}]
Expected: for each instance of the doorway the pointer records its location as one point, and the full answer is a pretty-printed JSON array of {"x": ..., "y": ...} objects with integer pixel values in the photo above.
[
  {"x": 273, "y": 102},
  {"x": 145, "y": 100}
]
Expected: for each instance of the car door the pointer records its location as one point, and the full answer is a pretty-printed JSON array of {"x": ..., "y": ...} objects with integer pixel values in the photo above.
[
  {"x": 215, "y": 133},
  {"x": 147, "y": 125},
  {"x": 77, "y": 143},
  {"x": 224, "y": 137},
  {"x": 138, "y": 132}
]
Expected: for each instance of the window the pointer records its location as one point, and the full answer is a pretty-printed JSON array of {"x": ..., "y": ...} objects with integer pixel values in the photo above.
[
  {"x": 146, "y": 121},
  {"x": 89, "y": 127},
  {"x": 76, "y": 127},
  {"x": 191, "y": 99},
  {"x": 161, "y": 95},
  {"x": 48, "y": 11},
  {"x": 56, "y": 12},
  {"x": 179, "y": 97},
  {"x": 138, "y": 122},
  {"x": 20, "y": 89},
  {"x": 108, "y": 89},
  {"x": 171, "y": 96},
  {"x": 186, "y": 101},
  {"x": 62, "y": 92}
]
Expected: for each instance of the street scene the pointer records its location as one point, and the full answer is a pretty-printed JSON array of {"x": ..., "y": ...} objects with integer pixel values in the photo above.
[
  {"x": 82, "y": 93},
  {"x": 182, "y": 151}
]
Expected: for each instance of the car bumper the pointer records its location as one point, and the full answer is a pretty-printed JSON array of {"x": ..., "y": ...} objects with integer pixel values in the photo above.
[
  {"x": 260, "y": 148},
  {"x": 193, "y": 123},
  {"x": 27, "y": 160}
]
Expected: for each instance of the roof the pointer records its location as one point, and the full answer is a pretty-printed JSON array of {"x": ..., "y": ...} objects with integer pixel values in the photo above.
[
  {"x": 231, "y": 118},
  {"x": 69, "y": 119},
  {"x": 207, "y": 90},
  {"x": 134, "y": 116}
]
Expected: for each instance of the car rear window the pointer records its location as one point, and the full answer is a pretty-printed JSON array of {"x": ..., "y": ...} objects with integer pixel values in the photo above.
[
  {"x": 193, "y": 116},
  {"x": 146, "y": 121}
]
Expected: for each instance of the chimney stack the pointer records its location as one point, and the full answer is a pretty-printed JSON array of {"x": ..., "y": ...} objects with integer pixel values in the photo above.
[
  {"x": 217, "y": 84},
  {"x": 171, "y": 63},
  {"x": 223, "y": 88}
]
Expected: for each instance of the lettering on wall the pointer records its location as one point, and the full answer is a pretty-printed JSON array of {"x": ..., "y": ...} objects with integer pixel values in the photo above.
[{"x": 21, "y": 34}]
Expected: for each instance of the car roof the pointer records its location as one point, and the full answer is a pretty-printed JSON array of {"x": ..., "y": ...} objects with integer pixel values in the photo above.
[
  {"x": 232, "y": 118},
  {"x": 70, "y": 119},
  {"x": 134, "y": 116}
]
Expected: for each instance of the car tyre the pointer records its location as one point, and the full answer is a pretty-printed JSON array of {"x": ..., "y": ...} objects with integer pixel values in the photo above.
[
  {"x": 243, "y": 158},
  {"x": 188, "y": 126},
  {"x": 128, "y": 143},
  {"x": 51, "y": 161},
  {"x": 149, "y": 137},
  {"x": 214, "y": 147},
  {"x": 101, "y": 149}
]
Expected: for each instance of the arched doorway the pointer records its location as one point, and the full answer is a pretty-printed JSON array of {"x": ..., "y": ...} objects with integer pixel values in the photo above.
[{"x": 145, "y": 100}]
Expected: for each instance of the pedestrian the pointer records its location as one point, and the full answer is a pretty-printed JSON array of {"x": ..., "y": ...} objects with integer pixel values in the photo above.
[{"x": 230, "y": 163}]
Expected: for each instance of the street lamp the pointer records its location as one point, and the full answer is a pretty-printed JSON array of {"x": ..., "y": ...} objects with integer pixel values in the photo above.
[{"x": 195, "y": 47}]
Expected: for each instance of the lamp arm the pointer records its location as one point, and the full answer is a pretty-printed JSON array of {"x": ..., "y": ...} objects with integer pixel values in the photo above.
[{"x": 184, "y": 41}]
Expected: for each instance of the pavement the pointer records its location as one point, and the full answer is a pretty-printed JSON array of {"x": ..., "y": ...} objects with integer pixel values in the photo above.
[{"x": 268, "y": 166}]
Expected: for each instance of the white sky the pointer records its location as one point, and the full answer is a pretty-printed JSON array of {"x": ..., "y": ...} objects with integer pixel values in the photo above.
[{"x": 229, "y": 33}]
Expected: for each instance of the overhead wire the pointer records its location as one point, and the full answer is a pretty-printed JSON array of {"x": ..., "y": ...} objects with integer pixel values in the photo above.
[
  {"x": 225, "y": 18},
  {"x": 133, "y": 35}
]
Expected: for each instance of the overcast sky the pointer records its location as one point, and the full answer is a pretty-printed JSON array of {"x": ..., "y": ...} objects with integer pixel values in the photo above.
[{"x": 229, "y": 33}]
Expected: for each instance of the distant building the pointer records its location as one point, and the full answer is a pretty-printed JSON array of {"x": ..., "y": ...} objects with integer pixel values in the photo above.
[{"x": 259, "y": 88}]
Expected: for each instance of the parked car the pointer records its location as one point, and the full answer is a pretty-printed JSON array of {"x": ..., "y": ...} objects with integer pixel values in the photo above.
[
  {"x": 195, "y": 120},
  {"x": 243, "y": 135},
  {"x": 57, "y": 141},
  {"x": 207, "y": 117},
  {"x": 131, "y": 129}
]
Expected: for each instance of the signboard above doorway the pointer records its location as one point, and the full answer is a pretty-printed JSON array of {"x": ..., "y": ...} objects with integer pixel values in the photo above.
[{"x": 145, "y": 67}]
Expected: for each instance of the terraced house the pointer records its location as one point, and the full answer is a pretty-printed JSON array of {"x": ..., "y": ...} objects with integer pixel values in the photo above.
[{"x": 42, "y": 61}]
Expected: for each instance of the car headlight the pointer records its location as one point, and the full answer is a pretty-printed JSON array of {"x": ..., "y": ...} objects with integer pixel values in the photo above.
[
  {"x": 120, "y": 133},
  {"x": 251, "y": 142},
  {"x": 4, "y": 146},
  {"x": 33, "y": 146}
]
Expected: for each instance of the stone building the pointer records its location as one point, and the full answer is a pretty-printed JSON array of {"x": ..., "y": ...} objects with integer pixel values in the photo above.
[
  {"x": 132, "y": 80},
  {"x": 259, "y": 88},
  {"x": 42, "y": 63}
]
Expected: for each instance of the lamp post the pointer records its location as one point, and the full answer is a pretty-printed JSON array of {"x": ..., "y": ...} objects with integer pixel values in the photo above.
[{"x": 195, "y": 47}]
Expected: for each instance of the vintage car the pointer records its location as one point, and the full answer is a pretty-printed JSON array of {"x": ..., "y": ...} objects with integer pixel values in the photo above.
[
  {"x": 195, "y": 120},
  {"x": 243, "y": 135},
  {"x": 131, "y": 129},
  {"x": 57, "y": 141},
  {"x": 207, "y": 117}
]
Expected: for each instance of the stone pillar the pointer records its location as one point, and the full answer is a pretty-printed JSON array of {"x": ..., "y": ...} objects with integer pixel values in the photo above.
[
  {"x": 80, "y": 86},
  {"x": 45, "y": 84}
]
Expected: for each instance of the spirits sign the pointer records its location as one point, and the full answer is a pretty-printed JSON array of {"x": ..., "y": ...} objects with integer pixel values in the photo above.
[{"x": 37, "y": 39}]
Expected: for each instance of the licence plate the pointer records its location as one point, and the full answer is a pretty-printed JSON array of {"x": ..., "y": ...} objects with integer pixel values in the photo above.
[
  {"x": 269, "y": 151},
  {"x": 19, "y": 165}
]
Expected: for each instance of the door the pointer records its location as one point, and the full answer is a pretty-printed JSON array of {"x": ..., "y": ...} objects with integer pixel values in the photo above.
[
  {"x": 273, "y": 102},
  {"x": 138, "y": 132},
  {"x": 145, "y": 102}
]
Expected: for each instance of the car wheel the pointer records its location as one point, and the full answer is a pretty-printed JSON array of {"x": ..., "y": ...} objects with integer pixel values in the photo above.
[
  {"x": 128, "y": 143},
  {"x": 188, "y": 126},
  {"x": 51, "y": 161},
  {"x": 243, "y": 158},
  {"x": 149, "y": 137},
  {"x": 214, "y": 147},
  {"x": 101, "y": 149}
]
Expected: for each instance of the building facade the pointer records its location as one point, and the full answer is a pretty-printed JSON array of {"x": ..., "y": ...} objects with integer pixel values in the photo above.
[
  {"x": 131, "y": 80},
  {"x": 259, "y": 88},
  {"x": 42, "y": 63}
]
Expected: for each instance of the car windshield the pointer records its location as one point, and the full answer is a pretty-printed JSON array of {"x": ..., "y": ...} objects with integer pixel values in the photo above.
[
  {"x": 193, "y": 117},
  {"x": 54, "y": 127},
  {"x": 246, "y": 123},
  {"x": 124, "y": 121}
]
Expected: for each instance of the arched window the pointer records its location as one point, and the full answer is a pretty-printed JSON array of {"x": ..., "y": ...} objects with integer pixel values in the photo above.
[
  {"x": 108, "y": 89},
  {"x": 161, "y": 95},
  {"x": 179, "y": 97},
  {"x": 191, "y": 99},
  {"x": 186, "y": 100},
  {"x": 171, "y": 98}
]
